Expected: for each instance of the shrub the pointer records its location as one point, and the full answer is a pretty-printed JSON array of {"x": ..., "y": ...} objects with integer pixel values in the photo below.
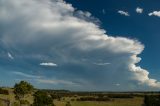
[
  {"x": 93, "y": 99},
  {"x": 56, "y": 96},
  {"x": 120, "y": 96},
  {"x": 68, "y": 104},
  {"x": 72, "y": 99},
  {"x": 3, "y": 91},
  {"x": 25, "y": 102},
  {"x": 41, "y": 98},
  {"x": 16, "y": 104}
]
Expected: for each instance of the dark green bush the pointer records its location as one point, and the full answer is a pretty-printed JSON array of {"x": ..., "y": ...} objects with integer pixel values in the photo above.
[
  {"x": 68, "y": 104},
  {"x": 41, "y": 98},
  {"x": 3, "y": 91},
  {"x": 24, "y": 102},
  {"x": 120, "y": 96},
  {"x": 93, "y": 99}
]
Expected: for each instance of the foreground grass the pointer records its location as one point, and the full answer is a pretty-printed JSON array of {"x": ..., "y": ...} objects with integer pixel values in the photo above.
[
  {"x": 115, "y": 102},
  {"x": 136, "y": 101},
  {"x": 11, "y": 97}
]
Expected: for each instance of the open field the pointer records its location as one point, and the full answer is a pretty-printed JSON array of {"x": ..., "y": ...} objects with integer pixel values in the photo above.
[
  {"x": 115, "y": 102},
  {"x": 72, "y": 98},
  {"x": 60, "y": 98}
]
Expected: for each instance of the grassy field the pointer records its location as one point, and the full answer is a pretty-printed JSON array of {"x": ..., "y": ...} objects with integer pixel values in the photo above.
[
  {"x": 135, "y": 101},
  {"x": 138, "y": 101},
  {"x": 11, "y": 97}
]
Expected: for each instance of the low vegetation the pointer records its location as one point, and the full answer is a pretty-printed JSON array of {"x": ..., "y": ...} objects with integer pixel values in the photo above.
[
  {"x": 41, "y": 98},
  {"x": 24, "y": 94},
  {"x": 4, "y": 91},
  {"x": 152, "y": 100},
  {"x": 93, "y": 99}
]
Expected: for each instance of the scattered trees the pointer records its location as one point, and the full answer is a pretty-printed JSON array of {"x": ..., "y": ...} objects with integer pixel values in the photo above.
[{"x": 41, "y": 98}]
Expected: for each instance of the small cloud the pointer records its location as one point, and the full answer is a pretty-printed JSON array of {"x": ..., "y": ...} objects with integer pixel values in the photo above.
[
  {"x": 117, "y": 84},
  {"x": 102, "y": 64},
  {"x": 48, "y": 64},
  {"x": 86, "y": 13},
  {"x": 104, "y": 11},
  {"x": 123, "y": 13},
  {"x": 155, "y": 13},
  {"x": 10, "y": 56},
  {"x": 139, "y": 10},
  {"x": 25, "y": 75}
]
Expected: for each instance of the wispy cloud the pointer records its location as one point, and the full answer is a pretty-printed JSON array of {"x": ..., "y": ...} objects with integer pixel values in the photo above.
[
  {"x": 139, "y": 10},
  {"x": 102, "y": 64},
  {"x": 155, "y": 13},
  {"x": 25, "y": 75},
  {"x": 55, "y": 81},
  {"x": 125, "y": 13},
  {"x": 49, "y": 64},
  {"x": 10, "y": 56}
]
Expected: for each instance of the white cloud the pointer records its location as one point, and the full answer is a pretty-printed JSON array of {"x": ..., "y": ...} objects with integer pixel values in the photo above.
[
  {"x": 139, "y": 10},
  {"x": 53, "y": 31},
  {"x": 117, "y": 84},
  {"x": 123, "y": 13},
  {"x": 55, "y": 81},
  {"x": 87, "y": 14},
  {"x": 48, "y": 64},
  {"x": 102, "y": 64},
  {"x": 25, "y": 75},
  {"x": 155, "y": 13},
  {"x": 138, "y": 72},
  {"x": 10, "y": 56}
]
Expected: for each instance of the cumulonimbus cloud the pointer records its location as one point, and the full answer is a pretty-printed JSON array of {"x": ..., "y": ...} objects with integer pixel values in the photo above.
[{"x": 47, "y": 30}]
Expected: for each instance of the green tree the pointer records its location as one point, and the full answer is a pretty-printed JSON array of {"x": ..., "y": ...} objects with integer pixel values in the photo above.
[
  {"x": 41, "y": 98},
  {"x": 22, "y": 88}
]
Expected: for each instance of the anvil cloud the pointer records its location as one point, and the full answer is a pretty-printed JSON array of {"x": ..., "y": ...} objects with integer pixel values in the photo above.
[{"x": 35, "y": 31}]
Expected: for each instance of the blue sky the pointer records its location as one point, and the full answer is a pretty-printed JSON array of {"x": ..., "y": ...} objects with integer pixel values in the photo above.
[{"x": 102, "y": 45}]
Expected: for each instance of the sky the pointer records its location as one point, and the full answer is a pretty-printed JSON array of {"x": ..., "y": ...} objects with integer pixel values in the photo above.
[{"x": 107, "y": 45}]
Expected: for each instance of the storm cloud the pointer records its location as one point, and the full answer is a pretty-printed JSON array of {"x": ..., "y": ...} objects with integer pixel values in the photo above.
[{"x": 54, "y": 31}]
